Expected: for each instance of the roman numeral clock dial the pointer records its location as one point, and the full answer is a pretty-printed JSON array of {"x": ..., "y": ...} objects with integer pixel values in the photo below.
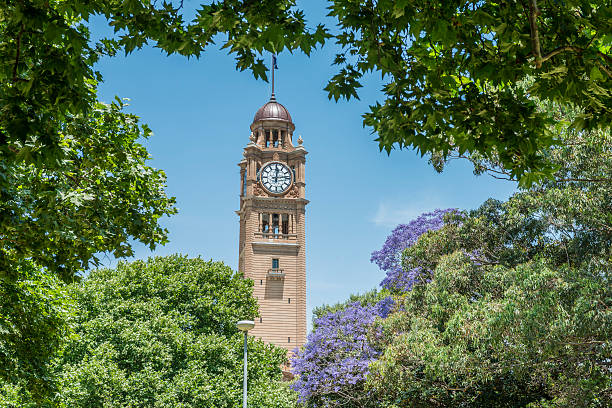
[{"x": 276, "y": 177}]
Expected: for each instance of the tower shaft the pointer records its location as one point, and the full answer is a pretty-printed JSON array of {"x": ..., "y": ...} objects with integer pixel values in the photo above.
[{"x": 272, "y": 244}]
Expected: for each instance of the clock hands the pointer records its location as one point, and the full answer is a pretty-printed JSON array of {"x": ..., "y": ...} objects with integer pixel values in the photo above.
[{"x": 275, "y": 177}]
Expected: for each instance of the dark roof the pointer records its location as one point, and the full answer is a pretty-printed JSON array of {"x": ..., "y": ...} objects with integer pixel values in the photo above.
[{"x": 272, "y": 111}]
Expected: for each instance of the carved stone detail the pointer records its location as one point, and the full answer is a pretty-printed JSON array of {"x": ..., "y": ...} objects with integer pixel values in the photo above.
[
  {"x": 276, "y": 207},
  {"x": 275, "y": 156},
  {"x": 259, "y": 191},
  {"x": 294, "y": 192}
]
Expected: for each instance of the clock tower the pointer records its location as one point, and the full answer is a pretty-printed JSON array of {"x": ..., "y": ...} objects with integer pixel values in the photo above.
[{"x": 272, "y": 239}]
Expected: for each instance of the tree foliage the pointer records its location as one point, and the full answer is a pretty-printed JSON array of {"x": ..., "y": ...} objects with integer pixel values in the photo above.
[
  {"x": 74, "y": 182},
  {"x": 56, "y": 136},
  {"x": 370, "y": 297},
  {"x": 513, "y": 305},
  {"x": 332, "y": 367},
  {"x": 454, "y": 72},
  {"x": 162, "y": 332},
  {"x": 35, "y": 314},
  {"x": 388, "y": 258},
  {"x": 48, "y": 73},
  {"x": 508, "y": 305},
  {"x": 95, "y": 199},
  {"x": 532, "y": 335}
]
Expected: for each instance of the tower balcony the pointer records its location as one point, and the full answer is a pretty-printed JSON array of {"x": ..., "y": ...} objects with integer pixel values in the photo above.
[
  {"x": 273, "y": 235},
  {"x": 276, "y": 273}
]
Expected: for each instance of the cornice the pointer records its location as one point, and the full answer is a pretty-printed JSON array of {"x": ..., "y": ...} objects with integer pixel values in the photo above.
[
  {"x": 279, "y": 200},
  {"x": 272, "y": 203},
  {"x": 276, "y": 247},
  {"x": 299, "y": 151}
]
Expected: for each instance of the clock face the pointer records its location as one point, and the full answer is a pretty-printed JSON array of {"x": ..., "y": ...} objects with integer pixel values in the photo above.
[{"x": 276, "y": 177}]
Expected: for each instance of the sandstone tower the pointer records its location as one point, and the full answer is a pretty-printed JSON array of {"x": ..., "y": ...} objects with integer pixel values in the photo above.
[{"x": 272, "y": 226}]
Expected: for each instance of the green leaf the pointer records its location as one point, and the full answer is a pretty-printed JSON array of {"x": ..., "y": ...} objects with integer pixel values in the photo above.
[{"x": 595, "y": 74}]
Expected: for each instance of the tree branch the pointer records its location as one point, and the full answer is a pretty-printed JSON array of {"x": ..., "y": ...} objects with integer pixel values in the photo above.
[
  {"x": 605, "y": 56},
  {"x": 18, "y": 51},
  {"x": 559, "y": 50},
  {"x": 534, "y": 12},
  {"x": 595, "y": 180}
]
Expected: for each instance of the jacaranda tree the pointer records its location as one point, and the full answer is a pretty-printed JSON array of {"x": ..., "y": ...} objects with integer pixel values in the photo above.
[
  {"x": 389, "y": 257},
  {"x": 333, "y": 365}
]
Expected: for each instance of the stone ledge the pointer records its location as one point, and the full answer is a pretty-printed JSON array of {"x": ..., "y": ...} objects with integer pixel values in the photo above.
[{"x": 286, "y": 247}]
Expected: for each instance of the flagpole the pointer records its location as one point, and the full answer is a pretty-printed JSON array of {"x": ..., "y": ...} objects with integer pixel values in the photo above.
[{"x": 272, "y": 74}]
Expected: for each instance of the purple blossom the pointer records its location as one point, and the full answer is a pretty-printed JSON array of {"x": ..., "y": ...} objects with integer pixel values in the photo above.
[
  {"x": 388, "y": 258},
  {"x": 335, "y": 361},
  {"x": 337, "y": 354}
]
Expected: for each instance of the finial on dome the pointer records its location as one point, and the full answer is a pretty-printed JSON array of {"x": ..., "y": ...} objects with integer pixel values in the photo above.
[
  {"x": 300, "y": 140},
  {"x": 272, "y": 97}
]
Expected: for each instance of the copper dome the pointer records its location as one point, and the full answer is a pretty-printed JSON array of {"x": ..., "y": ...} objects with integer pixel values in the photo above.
[{"x": 272, "y": 111}]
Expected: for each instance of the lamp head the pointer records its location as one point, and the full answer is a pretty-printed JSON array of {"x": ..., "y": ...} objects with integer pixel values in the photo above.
[{"x": 245, "y": 325}]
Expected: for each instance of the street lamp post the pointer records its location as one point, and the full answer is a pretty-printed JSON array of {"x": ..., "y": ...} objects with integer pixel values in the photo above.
[{"x": 245, "y": 326}]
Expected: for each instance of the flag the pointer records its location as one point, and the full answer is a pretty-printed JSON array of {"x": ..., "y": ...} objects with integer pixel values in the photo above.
[{"x": 274, "y": 66}]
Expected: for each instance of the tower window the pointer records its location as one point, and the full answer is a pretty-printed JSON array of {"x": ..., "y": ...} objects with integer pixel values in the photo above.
[
  {"x": 289, "y": 300},
  {"x": 244, "y": 182},
  {"x": 285, "y": 223},
  {"x": 275, "y": 263},
  {"x": 261, "y": 282},
  {"x": 288, "y": 339},
  {"x": 275, "y": 138},
  {"x": 275, "y": 223},
  {"x": 293, "y": 171},
  {"x": 260, "y": 320},
  {"x": 265, "y": 222}
]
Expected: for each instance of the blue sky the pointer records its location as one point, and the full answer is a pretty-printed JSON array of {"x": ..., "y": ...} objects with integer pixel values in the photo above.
[{"x": 200, "y": 112}]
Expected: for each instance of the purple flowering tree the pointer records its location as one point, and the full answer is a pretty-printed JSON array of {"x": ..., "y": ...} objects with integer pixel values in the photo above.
[
  {"x": 332, "y": 367},
  {"x": 389, "y": 257}
]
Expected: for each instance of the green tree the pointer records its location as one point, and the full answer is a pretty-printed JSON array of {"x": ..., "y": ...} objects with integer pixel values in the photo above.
[
  {"x": 454, "y": 72},
  {"x": 162, "y": 333},
  {"x": 515, "y": 299},
  {"x": 35, "y": 314},
  {"x": 98, "y": 196},
  {"x": 529, "y": 336}
]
